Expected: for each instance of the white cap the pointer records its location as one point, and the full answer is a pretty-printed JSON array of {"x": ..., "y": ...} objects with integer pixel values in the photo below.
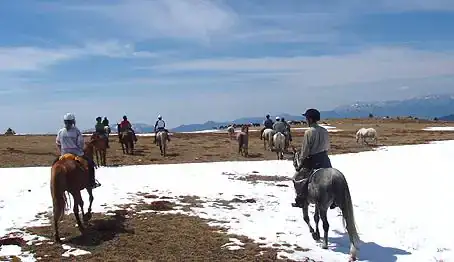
[
  {"x": 277, "y": 118},
  {"x": 69, "y": 117},
  {"x": 159, "y": 116}
]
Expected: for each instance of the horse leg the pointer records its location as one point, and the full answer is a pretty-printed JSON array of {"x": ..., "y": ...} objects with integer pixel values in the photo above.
[
  {"x": 306, "y": 216},
  {"x": 316, "y": 234},
  {"x": 323, "y": 216},
  {"x": 58, "y": 213},
  {"x": 77, "y": 199},
  {"x": 104, "y": 153},
  {"x": 88, "y": 215}
]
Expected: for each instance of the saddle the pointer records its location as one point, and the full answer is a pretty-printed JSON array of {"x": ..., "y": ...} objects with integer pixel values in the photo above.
[{"x": 82, "y": 161}]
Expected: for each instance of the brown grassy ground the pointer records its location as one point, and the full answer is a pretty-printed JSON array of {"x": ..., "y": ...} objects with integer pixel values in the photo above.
[
  {"x": 127, "y": 235},
  {"x": 20, "y": 151}
]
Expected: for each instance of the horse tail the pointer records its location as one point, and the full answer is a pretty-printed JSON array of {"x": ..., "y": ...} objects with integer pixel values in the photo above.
[
  {"x": 57, "y": 188},
  {"x": 349, "y": 217}
]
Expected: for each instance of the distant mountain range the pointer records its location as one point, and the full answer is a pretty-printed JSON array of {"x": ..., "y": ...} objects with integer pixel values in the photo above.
[
  {"x": 427, "y": 107},
  {"x": 447, "y": 118}
]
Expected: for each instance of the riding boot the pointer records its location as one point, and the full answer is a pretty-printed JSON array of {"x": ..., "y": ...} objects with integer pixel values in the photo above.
[
  {"x": 93, "y": 182},
  {"x": 298, "y": 202}
]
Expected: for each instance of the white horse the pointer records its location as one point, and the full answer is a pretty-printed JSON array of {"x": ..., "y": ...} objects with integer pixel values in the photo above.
[
  {"x": 231, "y": 132},
  {"x": 268, "y": 138},
  {"x": 364, "y": 133},
  {"x": 279, "y": 145},
  {"x": 107, "y": 129},
  {"x": 161, "y": 139}
]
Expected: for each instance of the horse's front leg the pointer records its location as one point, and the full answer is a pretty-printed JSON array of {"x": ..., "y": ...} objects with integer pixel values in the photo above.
[
  {"x": 306, "y": 216},
  {"x": 324, "y": 218},
  {"x": 88, "y": 215},
  {"x": 316, "y": 234}
]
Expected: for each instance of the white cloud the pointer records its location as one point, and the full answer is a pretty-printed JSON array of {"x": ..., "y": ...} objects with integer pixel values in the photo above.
[
  {"x": 185, "y": 19},
  {"x": 28, "y": 58},
  {"x": 373, "y": 65}
]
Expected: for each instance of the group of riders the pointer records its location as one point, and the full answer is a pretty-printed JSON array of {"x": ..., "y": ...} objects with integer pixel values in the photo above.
[
  {"x": 71, "y": 141},
  {"x": 314, "y": 149},
  {"x": 279, "y": 126}
]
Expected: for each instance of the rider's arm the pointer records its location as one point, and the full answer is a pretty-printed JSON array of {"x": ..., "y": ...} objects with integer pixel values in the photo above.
[
  {"x": 155, "y": 125},
  {"x": 305, "y": 148},
  {"x": 80, "y": 139},
  {"x": 58, "y": 143}
]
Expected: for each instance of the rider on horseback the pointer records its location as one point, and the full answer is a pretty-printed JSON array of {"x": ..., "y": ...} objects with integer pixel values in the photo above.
[
  {"x": 279, "y": 126},
  {"x": 105, "y": 121},
  {"x": 126, "y": 125},
  {"x": 268, "y": 123},
  {"x": 288, "y": 129},
  {"x": 160, "y": 125},
  {"x": 99, "y": 129},
  {"x": 314, "y": 152},
  {"x": 70, "y": 141}
]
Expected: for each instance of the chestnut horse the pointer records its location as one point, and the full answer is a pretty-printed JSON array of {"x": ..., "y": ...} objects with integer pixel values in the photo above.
[
  {"x": 70, "y": 175},
  {"x": 243, "y": 141},
  {"x": 100, "y": 148}
]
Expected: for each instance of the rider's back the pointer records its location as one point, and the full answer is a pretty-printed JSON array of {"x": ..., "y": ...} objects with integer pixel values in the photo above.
[
  {"x": 280, "y": 127},
  {"x": 318, "y": 137},
  {"x": 71, "y": 141},
  {"x": 268, "y": 123}
]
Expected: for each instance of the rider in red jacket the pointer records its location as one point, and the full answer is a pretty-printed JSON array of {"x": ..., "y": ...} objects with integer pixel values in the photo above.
[{"x": 126, "y": 125}]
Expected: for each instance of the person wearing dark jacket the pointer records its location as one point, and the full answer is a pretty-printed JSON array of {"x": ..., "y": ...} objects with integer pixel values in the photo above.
[{"x": 268, "y": 124}]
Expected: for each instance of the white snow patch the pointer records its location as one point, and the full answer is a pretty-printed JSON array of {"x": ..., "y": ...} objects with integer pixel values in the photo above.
[
  {"x": 399, "y": 196},
  {"x": 439, "y": 128}
]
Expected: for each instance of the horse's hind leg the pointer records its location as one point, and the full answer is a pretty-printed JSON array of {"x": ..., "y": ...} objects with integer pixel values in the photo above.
[
  {"x": 324, "y": 218},
  {"x": 77, "y": 201},
  {"x": 316, "y": 234},
  {"x": 88, "y": 215}
]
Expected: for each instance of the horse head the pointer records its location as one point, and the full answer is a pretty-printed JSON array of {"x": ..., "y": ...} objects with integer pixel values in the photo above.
[
  {"x": 89, "y": 148},
  {"x": 296, "y": 158}
]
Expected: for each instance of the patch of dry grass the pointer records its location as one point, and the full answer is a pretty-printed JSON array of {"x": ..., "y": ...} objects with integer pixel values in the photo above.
[{"x": 127, "y": 235}]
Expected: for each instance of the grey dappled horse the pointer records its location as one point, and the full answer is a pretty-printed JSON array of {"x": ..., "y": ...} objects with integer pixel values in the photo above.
[{"x": 321, "y": 188}]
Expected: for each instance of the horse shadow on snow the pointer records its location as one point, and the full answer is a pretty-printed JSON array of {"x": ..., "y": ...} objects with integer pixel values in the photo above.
[
  {"x": 369, "y": 251},
  {"x": 101, "y": 230}
]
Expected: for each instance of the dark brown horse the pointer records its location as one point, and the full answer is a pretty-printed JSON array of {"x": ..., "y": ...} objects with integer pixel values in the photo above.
[
  {"x": 126, "y": 139},
  {"x": 243, "y": 141},
  {"x": 70, "y": 174},
  {"x": 100, "y": 148}
]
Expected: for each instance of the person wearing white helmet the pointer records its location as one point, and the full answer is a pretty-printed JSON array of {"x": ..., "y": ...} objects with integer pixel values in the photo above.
[
  {"x": 160, "y": 125},
  {"x": 70, "y": 141}
]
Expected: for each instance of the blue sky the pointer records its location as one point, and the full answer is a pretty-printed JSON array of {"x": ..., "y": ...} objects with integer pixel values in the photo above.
[{"x": 194, "y": 60}]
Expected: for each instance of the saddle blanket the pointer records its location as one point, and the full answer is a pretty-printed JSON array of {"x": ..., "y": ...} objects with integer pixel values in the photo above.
[{"x": 83, "y": 162}]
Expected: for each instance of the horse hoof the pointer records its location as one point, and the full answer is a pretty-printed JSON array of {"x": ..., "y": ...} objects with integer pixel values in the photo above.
[
  {"x": 351, "y": 259},
  {"x": 87, "y": 217},
  {"x": 58, "y": 240},
  {"x": 325, "y": 246},
  {"x": 316, "y": 236}
]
